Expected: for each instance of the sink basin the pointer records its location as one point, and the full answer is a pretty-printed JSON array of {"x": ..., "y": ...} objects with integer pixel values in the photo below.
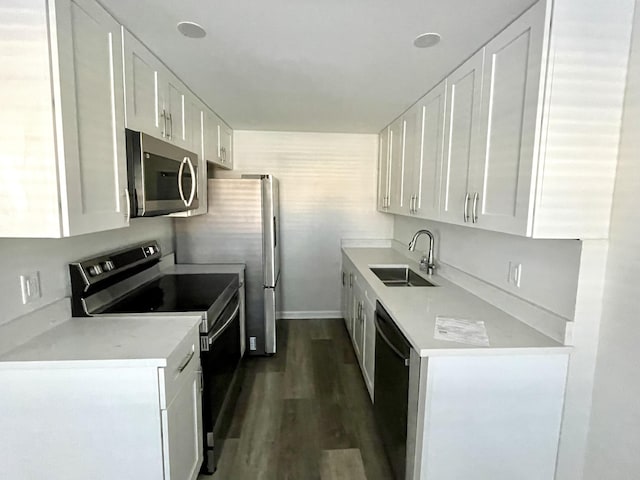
[{"x": 400, "y": 277}]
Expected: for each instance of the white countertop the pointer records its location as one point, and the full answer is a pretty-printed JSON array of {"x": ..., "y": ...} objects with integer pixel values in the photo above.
[
  {"x": 104, "y": 341},
  {"x": 415, "y": 309}
]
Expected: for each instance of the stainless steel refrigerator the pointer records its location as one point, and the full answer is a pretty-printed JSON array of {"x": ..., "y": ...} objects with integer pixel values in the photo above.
[{"x": 241, "y": 226}]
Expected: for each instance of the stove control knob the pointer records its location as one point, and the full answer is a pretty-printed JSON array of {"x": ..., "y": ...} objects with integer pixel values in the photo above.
[
  {"x": 108, "y": 266},
  {"x": 95, "y": 270}
]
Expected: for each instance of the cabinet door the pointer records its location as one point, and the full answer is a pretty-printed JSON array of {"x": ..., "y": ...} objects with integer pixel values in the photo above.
[
  {"x": 369, "y": 345},
  {"x": 383, "y": 170},
  {"x": 431, "y": 142},
  {"x": 396, "y": 143},
  {"x": 464, "y": 88},
  {"x": 411, "y": 153},
  {"x": 225, "y": 145},
  {"x": 348, "y": 318},
  {"x": 181, "y": 431},
  {"x": 344, "y": 293},
  {"x": 210, "y": 135},
  {"x": 92, "y": 161},
  {"x": 511, "y": 90},
  {"x": 173, "y": 102},
  {"x": 358, "y": 295},
  {"x": 142, "y": 111}
]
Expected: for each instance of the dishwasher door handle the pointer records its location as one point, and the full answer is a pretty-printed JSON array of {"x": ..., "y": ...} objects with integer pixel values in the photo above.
[{"x": 388, "y": 342}]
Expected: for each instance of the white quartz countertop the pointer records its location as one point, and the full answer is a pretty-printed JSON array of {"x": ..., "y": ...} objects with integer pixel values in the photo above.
[
  {"x": 415, "y": 309},
  {"x": 104, "y": 341}
]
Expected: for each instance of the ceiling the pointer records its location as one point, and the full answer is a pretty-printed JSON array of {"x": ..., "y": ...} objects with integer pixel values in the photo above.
[{"x": 312, "y": 65}]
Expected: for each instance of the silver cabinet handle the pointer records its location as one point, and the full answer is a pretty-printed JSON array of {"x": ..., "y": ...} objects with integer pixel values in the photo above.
[
  {"x": 351, "y": 280},
  {"x": 474, "y": 210},
  {"x": 466, "y": 207},
  {"x": 180, "y": 173},
  {"x": 171, "y": 126},
  {"x": 164, "y": 123},
  {"x": 186, "y": 361},
  {"x": 194, "y": 181}
]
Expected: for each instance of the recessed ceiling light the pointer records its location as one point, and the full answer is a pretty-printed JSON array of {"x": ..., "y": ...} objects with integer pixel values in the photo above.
[
  {"x": 191, "y": 30},
  {"x": 427, "y": 40}
]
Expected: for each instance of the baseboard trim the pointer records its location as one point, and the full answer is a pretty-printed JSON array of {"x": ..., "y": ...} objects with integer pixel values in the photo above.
[{"x": 308, "y": 315}]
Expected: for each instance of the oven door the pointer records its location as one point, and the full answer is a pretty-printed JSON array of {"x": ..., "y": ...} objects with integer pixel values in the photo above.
[
  {"x": 220, "y": 356},
  {"x": 163, "y": 177}
]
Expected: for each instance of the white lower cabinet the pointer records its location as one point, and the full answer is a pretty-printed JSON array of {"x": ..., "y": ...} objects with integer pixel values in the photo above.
[
  {"x": 485, "y": 416},
  {"x": 369, "y": 344},
  {"x": 358, "y": 318},
  {"x": 358, "y": 310},
  {"x": 104, "y": 419}
]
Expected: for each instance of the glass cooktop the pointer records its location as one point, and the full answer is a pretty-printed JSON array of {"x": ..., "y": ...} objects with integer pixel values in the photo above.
[{"x": 175, "y": 293}]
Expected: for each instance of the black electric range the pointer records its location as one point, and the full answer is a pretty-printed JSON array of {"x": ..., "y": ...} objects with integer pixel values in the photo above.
[{"x": 130, "y": 282}]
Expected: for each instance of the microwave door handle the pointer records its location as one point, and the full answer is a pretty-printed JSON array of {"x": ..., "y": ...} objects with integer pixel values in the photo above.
[
  {"x": 193, "y": 181},
  {"x": 180, "y": 173}
]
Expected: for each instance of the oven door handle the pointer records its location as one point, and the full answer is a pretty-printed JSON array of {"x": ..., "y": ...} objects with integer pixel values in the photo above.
[{"x": 215, "y": 334}]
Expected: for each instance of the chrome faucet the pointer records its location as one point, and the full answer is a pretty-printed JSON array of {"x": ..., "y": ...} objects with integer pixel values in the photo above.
[{"x": 426, "y": 262}]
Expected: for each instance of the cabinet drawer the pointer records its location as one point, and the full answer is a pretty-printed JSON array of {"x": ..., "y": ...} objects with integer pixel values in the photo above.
[{"x": 184, "y": 360}]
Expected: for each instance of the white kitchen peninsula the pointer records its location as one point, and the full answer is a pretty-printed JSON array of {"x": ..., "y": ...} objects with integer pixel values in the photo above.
[{"x": 104, "y": 398}]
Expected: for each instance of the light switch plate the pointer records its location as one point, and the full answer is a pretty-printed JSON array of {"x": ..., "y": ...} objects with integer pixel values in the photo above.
[
  {"x": 515, "y": 274},
  {"x": 30, "y": 286}
]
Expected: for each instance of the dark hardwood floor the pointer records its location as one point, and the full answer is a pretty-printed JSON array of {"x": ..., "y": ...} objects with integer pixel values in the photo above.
[{"x": 304, "y": 414}]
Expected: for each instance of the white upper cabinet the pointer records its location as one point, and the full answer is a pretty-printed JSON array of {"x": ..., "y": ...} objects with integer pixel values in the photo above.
[
  {"x": 502, "y": 183},
  {"x": 141, "y": 68},
  {"x": 396, "y": 145},
  {"x": 218, "y": 141},
  {"x": 64, "y": 148},
  {"x": 432, "y": 113},
  {"x": 158, "y": 103},
  {"x": 412, "y": 135},
  {"x": 462, "y": 138},
  {"x": 225, "y": 145},
  {"x": 424, "y": 137},
  {"x": 171, "y": 101},
  {"x": 530, "y": 138},
  {"x": 383, "y": 170}
]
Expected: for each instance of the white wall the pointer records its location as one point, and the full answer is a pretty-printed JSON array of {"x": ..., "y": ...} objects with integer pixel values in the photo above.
[
  {"x": 327, "y": 192},
  {"x": 549, "y": 267},
  {"x": 614, "y": 438},
  {"x": 51, "y": 257}
]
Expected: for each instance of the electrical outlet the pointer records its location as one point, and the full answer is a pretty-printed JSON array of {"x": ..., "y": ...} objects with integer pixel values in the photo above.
[
  {"x": 252, "y": 343},
  {"x": 515, "y": 274},
  {"x": 30, "y": 286}
]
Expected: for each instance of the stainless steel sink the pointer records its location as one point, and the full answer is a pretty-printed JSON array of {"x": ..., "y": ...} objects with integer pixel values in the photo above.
[{"x": 400, "y": 277}]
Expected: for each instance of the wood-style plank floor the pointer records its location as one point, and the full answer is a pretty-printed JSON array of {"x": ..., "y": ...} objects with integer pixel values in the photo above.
[{"x": 304, "y": 414}]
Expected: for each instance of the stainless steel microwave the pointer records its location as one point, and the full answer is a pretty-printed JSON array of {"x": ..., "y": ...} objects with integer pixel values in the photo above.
[{"x": 162, "y": 178}]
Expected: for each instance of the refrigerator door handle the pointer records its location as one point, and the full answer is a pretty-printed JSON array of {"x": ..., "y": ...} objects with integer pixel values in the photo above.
[{"x": 275, "y": 233}]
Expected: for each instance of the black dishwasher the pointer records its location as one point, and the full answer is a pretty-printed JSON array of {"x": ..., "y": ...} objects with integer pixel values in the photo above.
[{"x": 391, "y": 389}]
